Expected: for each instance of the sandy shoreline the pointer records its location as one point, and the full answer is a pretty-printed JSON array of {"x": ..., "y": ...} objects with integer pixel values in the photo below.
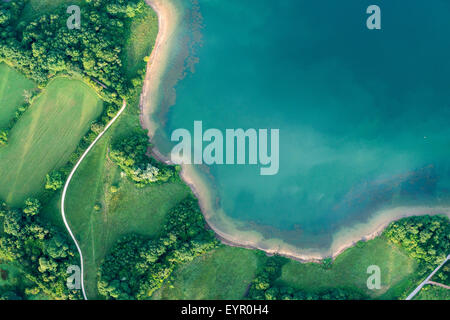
[
  {"x": 169, "y": 18},
  {"x": 152, "y": 64},
  {"x": 167, "y": 21}
]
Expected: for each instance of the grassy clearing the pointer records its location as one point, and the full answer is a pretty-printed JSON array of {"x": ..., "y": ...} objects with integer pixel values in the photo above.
[
  {"x": 350, "y": 270},
  {"x": 12, "y": 87},
  {"x": 100, "y": 217},
  {"x": 143, "y": 32},
  {"x": 431, "y": 292},
  {"x": 45, "y": 137},
  {"x": 224, "y": 273}
]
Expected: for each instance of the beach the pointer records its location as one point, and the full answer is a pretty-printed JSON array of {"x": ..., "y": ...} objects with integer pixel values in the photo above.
[
  {"x": 157, "y": 64},
  {"x": 160, "y": 80}
]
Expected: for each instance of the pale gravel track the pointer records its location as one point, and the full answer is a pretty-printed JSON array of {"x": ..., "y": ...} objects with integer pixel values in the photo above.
[
  {"x": 427, "y": 280},
  {"x": 69, "y": 178}
]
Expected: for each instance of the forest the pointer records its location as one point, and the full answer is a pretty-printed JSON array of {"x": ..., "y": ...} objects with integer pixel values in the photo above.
[
  {"x": 424, "y": 238},
  {"x": 136, "y": 267},
  {"x": 41, "y": 251},
  {"x": 130, "y": 155},
  {"x": 45, "y": 47}
]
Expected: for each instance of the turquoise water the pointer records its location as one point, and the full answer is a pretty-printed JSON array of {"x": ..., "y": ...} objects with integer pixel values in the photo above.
[{"x": 363, "y": 114}]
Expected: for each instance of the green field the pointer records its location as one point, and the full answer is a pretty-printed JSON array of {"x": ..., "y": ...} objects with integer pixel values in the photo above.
[
  {"x": 128, "y": 210},
  {"x": 45, "y": 137},
  {"x": 143, "y": 32},
  {"x": 12, "y": 87},
  {"x": 225, "y": 273},
  {"x": 350, "y": 270}
]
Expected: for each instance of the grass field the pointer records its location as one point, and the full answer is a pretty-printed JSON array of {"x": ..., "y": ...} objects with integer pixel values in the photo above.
[
  {"x": 224, "y": 273},
  {"x": 143, "y": 32},
  {"x": 128, "y": 210},
  {"x": 45, "y": 137},
  {"x": 12, "y": 87},
  {"x": 350, "y": 270}
]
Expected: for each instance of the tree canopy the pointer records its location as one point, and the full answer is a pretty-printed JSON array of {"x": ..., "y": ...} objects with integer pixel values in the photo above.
[
  {"x": 424, "y": 238},
  {"x": 45, "y": 46},
  {"x": 39, "y": 250},
  {"x": 136, "y": 267}
]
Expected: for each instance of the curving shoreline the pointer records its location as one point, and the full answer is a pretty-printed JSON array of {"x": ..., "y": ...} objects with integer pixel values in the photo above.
[
  {"x": 167, "y": 19},
  {"x": 223, "y": 226}
]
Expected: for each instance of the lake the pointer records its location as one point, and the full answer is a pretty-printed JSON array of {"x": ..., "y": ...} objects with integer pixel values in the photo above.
[{"x": 363, "y": 115}]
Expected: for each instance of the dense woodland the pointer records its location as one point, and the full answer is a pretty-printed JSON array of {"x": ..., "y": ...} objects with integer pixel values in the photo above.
[
  {"x": 136, "y": 267},
  {"x": 424, "y": 238},
  {"x": 443, "y": 276},
  {"x": 42, "y": 252},
  {"x": 45, "y": 47},
  {"x": 130, "y": 155}
]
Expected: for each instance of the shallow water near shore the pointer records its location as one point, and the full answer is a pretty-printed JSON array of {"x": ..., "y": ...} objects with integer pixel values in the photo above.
[{"x": 363, "y": 115}]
